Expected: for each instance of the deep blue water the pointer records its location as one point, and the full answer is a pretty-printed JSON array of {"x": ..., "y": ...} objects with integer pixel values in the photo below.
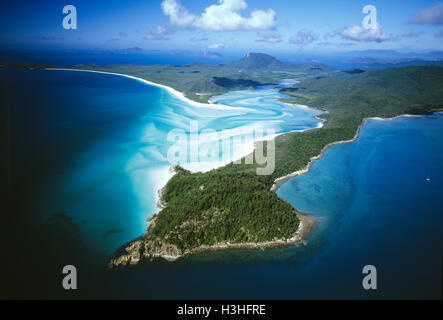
[
  {"x": 62, "y": 57},
  {"x": 376, "y": 201},
  {"x": 76, "y": 57},
  {"x": 86, "y": 154}
]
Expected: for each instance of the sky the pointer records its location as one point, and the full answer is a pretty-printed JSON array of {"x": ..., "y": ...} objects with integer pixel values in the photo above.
[{"x": 224, "y": 25}]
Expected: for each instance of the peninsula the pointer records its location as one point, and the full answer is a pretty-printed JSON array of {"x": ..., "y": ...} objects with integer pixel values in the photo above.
[{"x": 232, "y": 207}]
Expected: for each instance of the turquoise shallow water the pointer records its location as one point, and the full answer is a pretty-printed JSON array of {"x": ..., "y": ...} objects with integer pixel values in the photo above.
[
  {"x": 93, "y": 147},
  {"x": 110, "y": 189},
  {"x": 377, "y": 201},
  {"x": 98, "y": 145}
]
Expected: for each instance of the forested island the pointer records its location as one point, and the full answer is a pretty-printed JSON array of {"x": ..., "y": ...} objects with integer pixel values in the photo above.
[{"x": 232, "y": 206}]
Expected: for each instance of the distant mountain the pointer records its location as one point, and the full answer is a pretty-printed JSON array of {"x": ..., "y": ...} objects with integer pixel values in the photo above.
[
  {"x": 264, "y": 62},
  {"x": 378, "y": 54},
  {"x": 381, "y": 59},
  {"x": 403, "y": 63},
  {"x": 392, "y": 55},
  {"x": 259, "y": 61},
  {"x": 363, "y": 60}
]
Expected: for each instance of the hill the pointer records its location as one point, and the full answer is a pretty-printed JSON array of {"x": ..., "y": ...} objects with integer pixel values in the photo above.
[
  {"x": 199, "y": 81},
  {"x": 261, "y": 62}
]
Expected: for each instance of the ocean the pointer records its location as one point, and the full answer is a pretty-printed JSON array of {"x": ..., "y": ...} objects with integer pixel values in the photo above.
[{"x": 86, "y": 154}]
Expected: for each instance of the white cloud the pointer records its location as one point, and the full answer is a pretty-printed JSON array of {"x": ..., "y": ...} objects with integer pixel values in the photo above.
[
  {"x": 271, "y": 37},
  {"x": 432, "y": 15},
  {"x": 160, "y": 34},
  {"x": 303, "y": 37},
  {"x": 358, "y": 33},
  {"x": 178, "y": 15},
  {"x": 227, "y": 15},
  {"x": 216, "y": 46}
]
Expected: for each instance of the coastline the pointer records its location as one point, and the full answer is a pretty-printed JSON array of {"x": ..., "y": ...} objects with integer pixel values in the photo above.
[
  {"x": 181, "y": 96},
  {"x": 142, "y": 249},
  {"x": 172, "y": 91},
  {"x": 175, "y": 93},
  {"x": 279, "y": 181},
  {"x": 148, "y": 250},
  {"x": 170, "y": 252}
]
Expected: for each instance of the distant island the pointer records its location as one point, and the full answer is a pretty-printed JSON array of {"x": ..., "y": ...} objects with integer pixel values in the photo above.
[{"x": 232, "y": 207}]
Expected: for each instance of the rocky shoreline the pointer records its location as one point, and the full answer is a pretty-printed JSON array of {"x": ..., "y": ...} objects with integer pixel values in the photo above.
[{"x": 151, "y": 249}]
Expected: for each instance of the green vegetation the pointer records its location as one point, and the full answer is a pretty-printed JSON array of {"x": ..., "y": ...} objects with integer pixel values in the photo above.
[
  {"x": 233, "y": 203},
  {"x": 350, "y": 99},
  {"x": 199, "y": 81},
  {"x": 296, "y": 98},
  {"x": 207, "y": 208},
  {"x": 194, "y": 80}
]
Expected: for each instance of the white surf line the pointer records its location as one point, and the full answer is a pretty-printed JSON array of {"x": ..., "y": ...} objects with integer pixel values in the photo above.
[
  {"x": 174, "y": 92},
  {"x": 181, "y": 96}
]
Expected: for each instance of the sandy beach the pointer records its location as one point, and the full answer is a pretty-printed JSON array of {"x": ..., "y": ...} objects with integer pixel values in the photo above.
[
  {"x": 172, "y": 91},
  {"x": 249, "y": 148},
  {"x": 306, "y": 223}
]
